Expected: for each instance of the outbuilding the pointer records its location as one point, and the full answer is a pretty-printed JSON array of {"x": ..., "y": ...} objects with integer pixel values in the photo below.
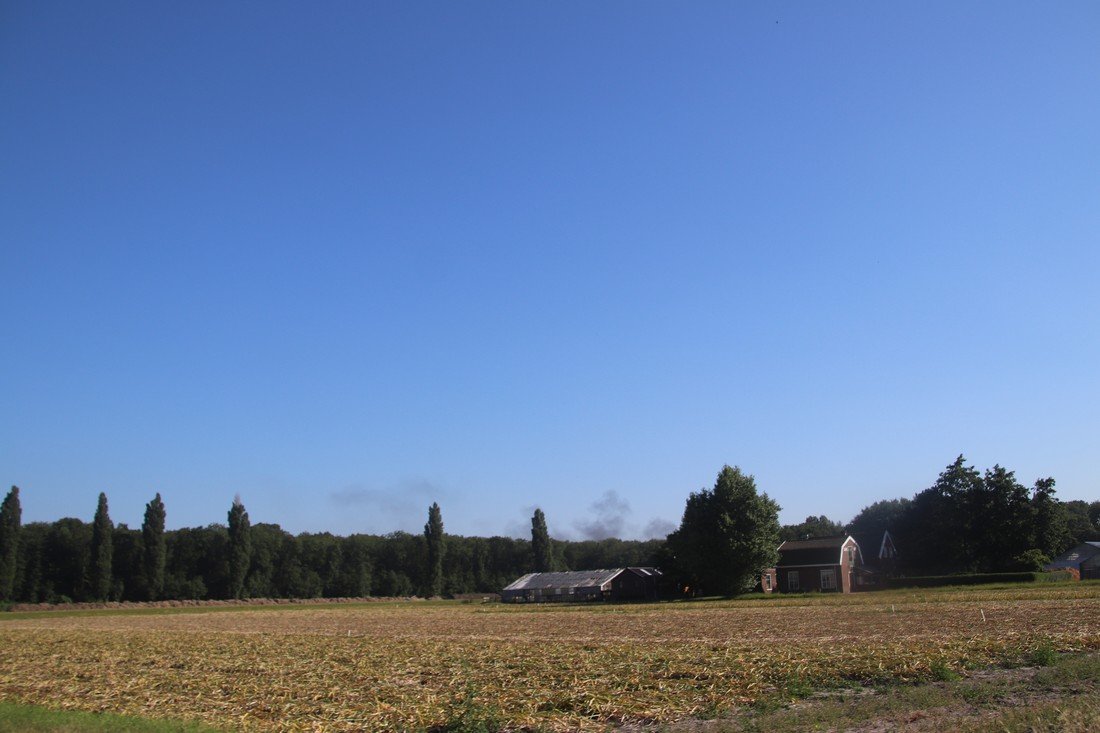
[
  {"x": 616, "y": 584},
  {"x": 1084, "y": 558}
]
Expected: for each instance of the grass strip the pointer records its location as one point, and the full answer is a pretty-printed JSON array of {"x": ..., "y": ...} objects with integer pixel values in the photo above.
[
  {"x": 19, "y": 718},
  {"x": 1057, "y": 698}
]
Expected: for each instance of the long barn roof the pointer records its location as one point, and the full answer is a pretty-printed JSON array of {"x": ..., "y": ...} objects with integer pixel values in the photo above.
[{"x": 573, "y": 579}]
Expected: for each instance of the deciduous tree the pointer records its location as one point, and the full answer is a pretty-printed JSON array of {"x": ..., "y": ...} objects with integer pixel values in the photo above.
[
  {"x": 1051, "y": 534},
  {"x": 727, "y": 535},
  {"x": 879, "y": 517},
  {"x": 937, "y": 529},
  {"x": 811, "y": 528}
]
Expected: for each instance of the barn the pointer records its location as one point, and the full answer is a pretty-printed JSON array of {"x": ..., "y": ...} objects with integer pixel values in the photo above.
[
  {"x": 616, "y": 584},
  {"x": 1085, "y": 558}
]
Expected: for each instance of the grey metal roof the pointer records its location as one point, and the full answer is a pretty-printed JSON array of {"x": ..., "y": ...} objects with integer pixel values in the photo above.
[
  {"x": 645, "y": 571},
  {"x": 1075, "y": 556},
  {"x": 572, "y": 579}
]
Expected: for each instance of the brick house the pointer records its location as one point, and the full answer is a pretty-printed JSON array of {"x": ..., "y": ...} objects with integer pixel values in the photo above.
[{"x": 827, "y": 564}]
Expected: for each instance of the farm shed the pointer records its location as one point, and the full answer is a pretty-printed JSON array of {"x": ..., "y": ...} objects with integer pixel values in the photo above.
[
  {"x": 829, "y": 564},
  {"x": 1085, "y": 558},
  {"x": 616, "y": 584}
]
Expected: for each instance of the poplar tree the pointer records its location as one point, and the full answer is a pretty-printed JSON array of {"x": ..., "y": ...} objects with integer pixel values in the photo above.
[
  {"x": 240, "y": 547},
  {"x": 433, "y": 531},
  {"x": 11, "y": 517},
  {"x": 154, "y": 548},
  {"x": 102, "y": 551},
  {"x": 540, "y": 542}
]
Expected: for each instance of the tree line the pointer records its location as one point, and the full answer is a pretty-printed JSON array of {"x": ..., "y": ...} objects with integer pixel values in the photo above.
[
  {"x": 967, "y": 521},
  {"x": 971, "y": 521},
  {"x": 73, "y": 560}
]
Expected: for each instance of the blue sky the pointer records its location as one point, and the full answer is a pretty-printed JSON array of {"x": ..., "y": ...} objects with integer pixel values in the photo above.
[{"x": 346, "y": 259}]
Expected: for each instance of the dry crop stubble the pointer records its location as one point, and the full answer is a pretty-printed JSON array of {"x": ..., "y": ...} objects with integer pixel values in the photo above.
[{"x": 413, "y": 666}]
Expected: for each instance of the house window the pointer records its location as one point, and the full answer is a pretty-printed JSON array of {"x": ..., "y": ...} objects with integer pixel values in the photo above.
[
  {"x": 768, "y": 581},
  {"x": 792, "y": 580},
  {"x": 828, "y": 579}
]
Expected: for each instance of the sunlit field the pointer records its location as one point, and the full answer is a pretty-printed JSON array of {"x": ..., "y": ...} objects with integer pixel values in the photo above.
[{"x": 419, "y": 665}]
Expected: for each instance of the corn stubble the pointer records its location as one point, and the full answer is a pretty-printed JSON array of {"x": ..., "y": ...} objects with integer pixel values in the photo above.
[{"x": 415, "y": 667}]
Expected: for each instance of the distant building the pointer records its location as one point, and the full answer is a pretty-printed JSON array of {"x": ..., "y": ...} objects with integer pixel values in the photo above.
[
  {"x": 827, "y": 564},
  {"x": 617, "y": 584},
  {"x": 1084, "y": 558}
]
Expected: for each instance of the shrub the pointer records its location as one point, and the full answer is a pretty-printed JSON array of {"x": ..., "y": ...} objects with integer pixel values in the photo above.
[
  {"x": 1043, "y": 655},
  {"x": 1057, "y": 576},
  {"x": 944, "y": 673},
  {"x": 1030, "y": 561}
]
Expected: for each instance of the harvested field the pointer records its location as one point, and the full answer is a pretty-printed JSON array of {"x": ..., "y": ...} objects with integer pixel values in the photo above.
[{"x": 414, "y": 666}]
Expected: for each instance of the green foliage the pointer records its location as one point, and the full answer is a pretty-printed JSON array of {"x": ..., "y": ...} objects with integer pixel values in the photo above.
[
  {"x": 726, "y": 536},
  {"x": 879, "y": 517},
  {"x": 100, "y": 582},
  {"x": 942, "y": 672},
  {"x": 468, "y": 715},
  {"x": 55, "y": 562},
  {"x": 936, "y": 531},
  {"x": 240, "y": 548},
  {"x": 985, "y": 523},
  {"x": 155, "y": 551},
  {"x": 197, "y": 563},
  {"x": 811, "y": 528},
  {"x": 30, "y": 584},
  {"x": 433, "y": 533},
  {"x": 1080, "y": 523},
  {"x": 11, "y": 515},
  {"x": 1030, "y": 561},
  {"x": 540, "y": 543},
  {"x": 16, "y": 717},
  {"x": 608, "y": 553},
  {"x": 126, "y": 564},
  {"x": 1050, "y": 523},
  {"x": 1058, "y": 576},
  {"x": 935, "y": 581},
  {"x": 1043, "y": 655},
  {"x": 65, "y": 559}
]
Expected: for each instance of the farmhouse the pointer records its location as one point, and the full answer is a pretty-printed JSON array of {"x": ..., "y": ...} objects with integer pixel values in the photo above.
[
  {"x": 617, "y": 584},
  {"x": 1084, "y": 558},
  {"x": 831, "y": 564}
]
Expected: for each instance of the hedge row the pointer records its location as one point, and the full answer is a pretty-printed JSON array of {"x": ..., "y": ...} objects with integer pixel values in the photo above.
[{"x": 933, "y": 581}]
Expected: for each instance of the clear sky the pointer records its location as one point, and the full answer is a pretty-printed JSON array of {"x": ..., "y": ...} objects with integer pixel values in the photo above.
[{"x": 346, "y": 259}]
